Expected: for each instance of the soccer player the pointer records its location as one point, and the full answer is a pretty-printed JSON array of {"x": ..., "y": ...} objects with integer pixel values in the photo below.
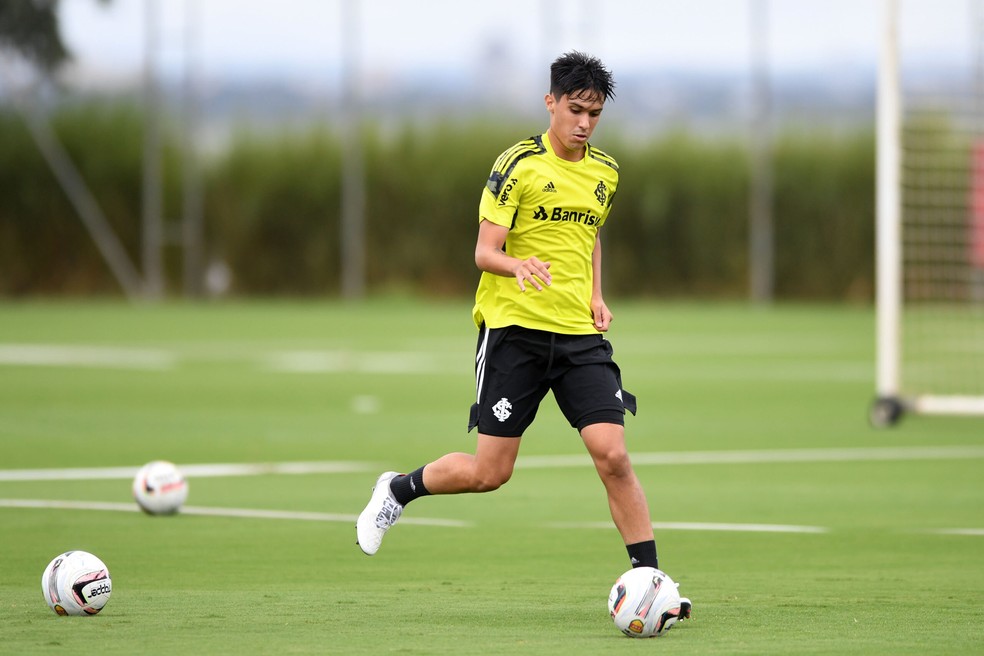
[{"x": 541, "y": 317}]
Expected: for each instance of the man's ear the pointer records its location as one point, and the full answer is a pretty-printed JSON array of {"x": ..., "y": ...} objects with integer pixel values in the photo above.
[{"x": 549, "y": 101}]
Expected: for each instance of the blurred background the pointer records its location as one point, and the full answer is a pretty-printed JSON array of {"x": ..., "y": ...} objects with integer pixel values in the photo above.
[{"x": 338, "y": 148}]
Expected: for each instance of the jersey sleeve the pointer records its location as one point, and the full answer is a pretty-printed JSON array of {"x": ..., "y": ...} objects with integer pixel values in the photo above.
[
  {"x": 504, "y": 188},
  {"x": 500, "y": 200}
]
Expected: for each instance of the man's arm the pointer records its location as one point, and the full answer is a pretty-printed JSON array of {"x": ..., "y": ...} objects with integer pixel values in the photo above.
[
  {"x": 490, "y": 257},
  {"x": 599, "y": 311}
]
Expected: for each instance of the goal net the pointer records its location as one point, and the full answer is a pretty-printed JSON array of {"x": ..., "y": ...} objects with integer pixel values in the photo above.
[{"x": 930, "y": 244}]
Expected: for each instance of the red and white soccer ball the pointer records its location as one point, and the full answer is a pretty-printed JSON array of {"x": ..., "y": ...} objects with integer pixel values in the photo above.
[
  {"x": 159, "y": 488},
  {"x": 644, "y": 603},
  {"x": 76, "y": 583}
]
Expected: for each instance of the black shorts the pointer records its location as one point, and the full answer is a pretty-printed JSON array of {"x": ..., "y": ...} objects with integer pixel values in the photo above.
[{"x": 514, "y": 368}]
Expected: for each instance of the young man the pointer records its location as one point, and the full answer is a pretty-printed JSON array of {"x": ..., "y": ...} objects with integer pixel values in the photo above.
[{"x": 541, "y": 314}]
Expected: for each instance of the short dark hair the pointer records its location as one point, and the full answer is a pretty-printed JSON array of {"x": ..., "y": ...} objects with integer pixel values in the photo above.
[{"x": 574, "y": 73}]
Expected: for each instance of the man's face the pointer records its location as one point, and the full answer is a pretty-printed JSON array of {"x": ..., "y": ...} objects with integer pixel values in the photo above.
[{"x": 572, "y": 120}]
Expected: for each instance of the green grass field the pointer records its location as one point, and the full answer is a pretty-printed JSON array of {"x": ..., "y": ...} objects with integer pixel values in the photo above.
[{"x": 750, "y": 419}]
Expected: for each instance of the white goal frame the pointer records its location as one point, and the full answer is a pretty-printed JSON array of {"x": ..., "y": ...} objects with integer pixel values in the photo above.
[{"x": 892, "y": 400}]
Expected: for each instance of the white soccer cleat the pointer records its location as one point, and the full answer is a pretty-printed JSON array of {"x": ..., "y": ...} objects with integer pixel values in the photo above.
[
  {"x": 380, "y": 513},
  {"x": 686, "y": 608}
]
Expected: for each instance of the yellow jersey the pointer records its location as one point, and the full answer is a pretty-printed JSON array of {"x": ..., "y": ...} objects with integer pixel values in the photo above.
[{"x": 553, "y": 209}]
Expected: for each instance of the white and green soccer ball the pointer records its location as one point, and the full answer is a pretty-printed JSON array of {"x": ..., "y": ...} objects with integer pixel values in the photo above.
[
  {"x": 76, "y": 583},
  {"x": 160, "y": 488},
  {"x": 644, "y": 603}
]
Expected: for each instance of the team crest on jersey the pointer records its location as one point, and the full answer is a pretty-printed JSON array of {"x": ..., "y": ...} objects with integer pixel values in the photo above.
[{"x": 601, "y": 193}]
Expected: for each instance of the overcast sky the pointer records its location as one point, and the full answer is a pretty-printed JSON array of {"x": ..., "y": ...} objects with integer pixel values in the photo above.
[{"x": 302, "y": 37}]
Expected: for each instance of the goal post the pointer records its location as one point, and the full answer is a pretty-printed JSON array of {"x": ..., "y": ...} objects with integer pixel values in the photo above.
[
  {"x": 930, "y": 221},
  {"x": 888, "y": 269}
]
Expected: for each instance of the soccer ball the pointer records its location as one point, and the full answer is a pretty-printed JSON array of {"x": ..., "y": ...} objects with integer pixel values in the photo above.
[
  {"x": 76, "y": 583},
  {"x": 644, "y": 603},
  {"x": 159, "y": 488}
]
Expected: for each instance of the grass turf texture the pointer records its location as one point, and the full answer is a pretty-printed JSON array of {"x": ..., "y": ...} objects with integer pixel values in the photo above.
[{"x": 389, "y": 384}]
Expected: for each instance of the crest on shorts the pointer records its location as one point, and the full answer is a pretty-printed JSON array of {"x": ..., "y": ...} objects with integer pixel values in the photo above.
[{"x": 501, "y": 410}]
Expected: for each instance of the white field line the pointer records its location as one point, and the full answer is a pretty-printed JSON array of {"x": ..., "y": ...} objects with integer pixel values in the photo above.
[
  {"x": 60, "y": 355},
  {"x": 191, "y": 471},
  {"x": 703, "y": 526},
  {"x": 527, "y": 462},
  {"x": 395, "y": 362},
  {"x": 248, "y": 513},
  {"x": 977, "y": 532},
  {"x": 678, "y": 458},
  {"x": 218, "y": 512},
  {"x": 769, "y": 456},
  {"x": 112, "y": 357}
]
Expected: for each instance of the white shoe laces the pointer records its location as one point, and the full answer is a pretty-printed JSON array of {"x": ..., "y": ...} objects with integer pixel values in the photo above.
[{"x": 389, "y": 513}]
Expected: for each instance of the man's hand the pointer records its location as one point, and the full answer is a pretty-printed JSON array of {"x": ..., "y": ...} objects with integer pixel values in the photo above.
[
  {"x": 601, "y": 315},
  {"x": 490, "y": 257},
  {"x": 534, "y": 271}
]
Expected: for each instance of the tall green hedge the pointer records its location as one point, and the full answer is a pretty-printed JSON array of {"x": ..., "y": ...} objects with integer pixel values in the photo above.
[{"x": 272, "y": 208}]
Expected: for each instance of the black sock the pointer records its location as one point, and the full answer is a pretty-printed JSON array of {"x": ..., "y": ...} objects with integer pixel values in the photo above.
[
  {"x": 643, "y": 554},
  {"x": 408, "y": 487}
]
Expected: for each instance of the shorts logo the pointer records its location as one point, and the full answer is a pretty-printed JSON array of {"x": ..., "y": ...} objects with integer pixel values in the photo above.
[
  {"x": 501, "y": 410},
  {"x": 618, "y": 395}
]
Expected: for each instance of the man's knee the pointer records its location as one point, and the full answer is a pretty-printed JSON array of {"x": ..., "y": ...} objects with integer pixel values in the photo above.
[
  {"x": 614, "y": 463},
  {"x": 489, "y": 480},
  {"x": 606, "y": 444},
  {"x": 495, "y": 458}
]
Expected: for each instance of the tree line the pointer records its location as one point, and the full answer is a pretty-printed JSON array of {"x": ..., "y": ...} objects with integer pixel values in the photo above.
[{"x": 679, "y": 226}]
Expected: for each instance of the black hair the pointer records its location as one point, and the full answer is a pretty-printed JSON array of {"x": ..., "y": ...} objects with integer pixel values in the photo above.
[{"x": 575, "y": 73}]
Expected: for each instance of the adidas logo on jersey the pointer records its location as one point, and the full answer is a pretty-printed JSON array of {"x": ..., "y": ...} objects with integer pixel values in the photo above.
[{"x": 550, "y": 187}]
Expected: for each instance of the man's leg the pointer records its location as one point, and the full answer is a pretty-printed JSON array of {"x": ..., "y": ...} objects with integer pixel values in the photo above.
[
  {"x": 626, "y": 498},
  {"x": 454, "y": 473},
  {"x": 489, "y": 469}
]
